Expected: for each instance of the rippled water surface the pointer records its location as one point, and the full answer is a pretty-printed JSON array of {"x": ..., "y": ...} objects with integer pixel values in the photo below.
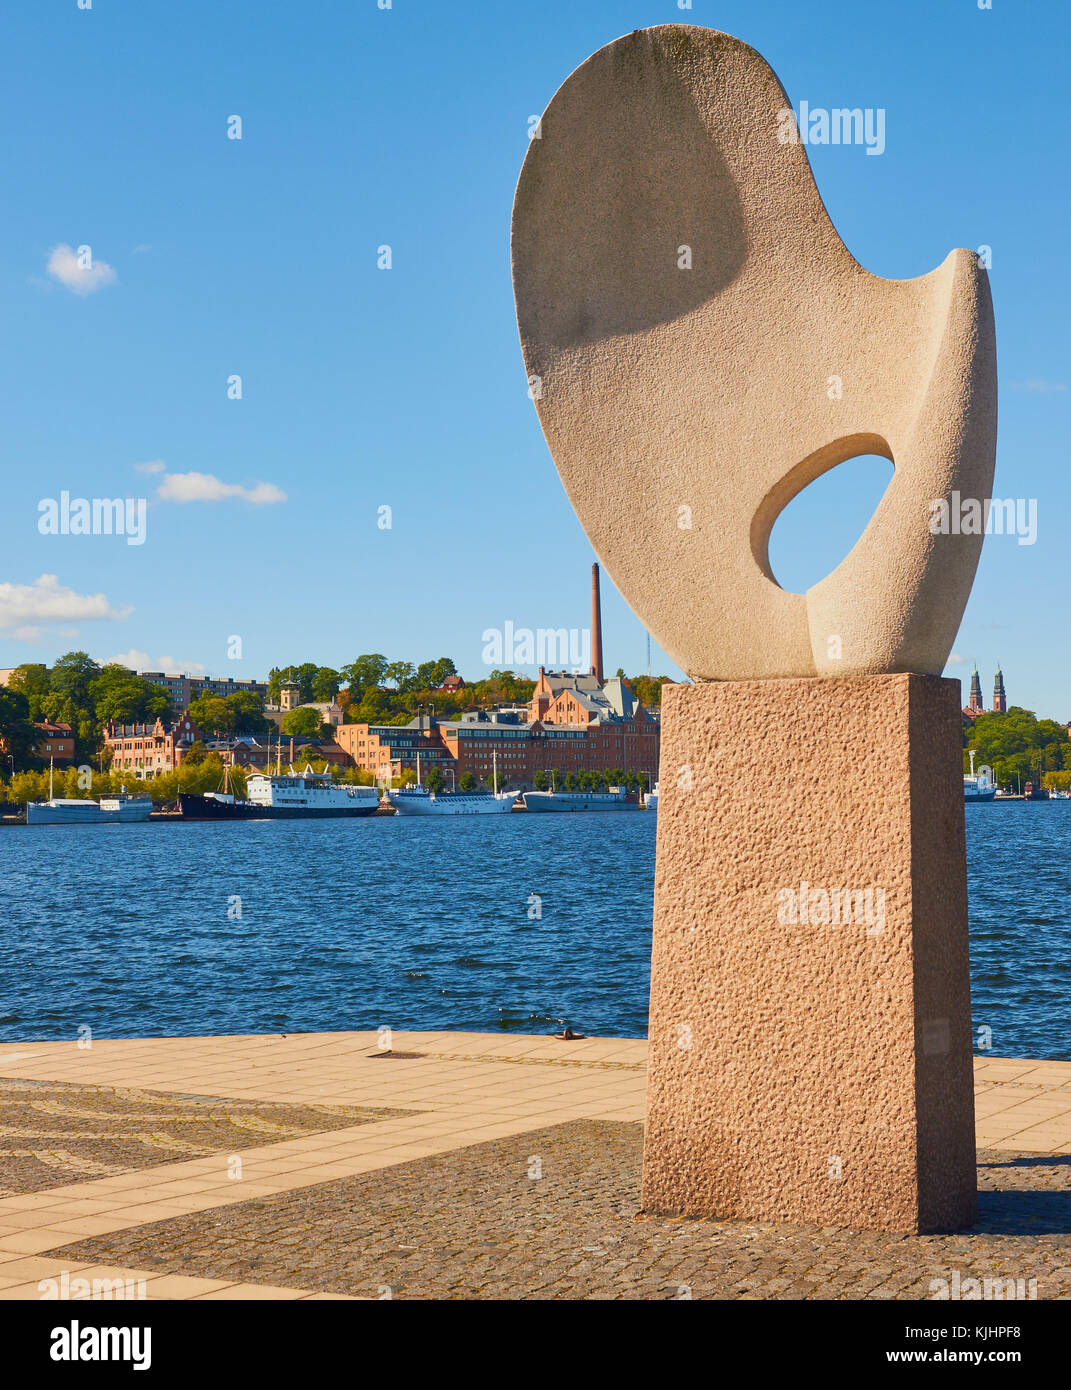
[{"x": 426, "y": 924}]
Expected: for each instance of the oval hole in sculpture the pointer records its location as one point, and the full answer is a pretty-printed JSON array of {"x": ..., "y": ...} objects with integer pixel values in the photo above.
[{"x": 820, "y": 525}]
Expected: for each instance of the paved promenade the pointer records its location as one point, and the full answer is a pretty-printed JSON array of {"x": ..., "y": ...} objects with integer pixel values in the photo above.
[{"x": 458, "y": 1165}]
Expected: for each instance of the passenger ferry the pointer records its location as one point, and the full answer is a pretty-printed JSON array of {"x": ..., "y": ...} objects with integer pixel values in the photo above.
[
  {"x": 306, "y": 795},
  {"x": 579, "y": 801},
  {"x": 650, "y": 801},
  {"x": 978, "y": 788},
  {"x": 418, "y": 801}
]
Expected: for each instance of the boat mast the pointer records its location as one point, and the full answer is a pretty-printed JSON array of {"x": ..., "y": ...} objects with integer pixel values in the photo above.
[
  {"x": 494, "y": 768},
  {"x": 418, "y": 767},
  {"x": 51, "y": 765}
]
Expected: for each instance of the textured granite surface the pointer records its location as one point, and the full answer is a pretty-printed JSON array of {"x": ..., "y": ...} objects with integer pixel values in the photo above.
[{"x": 801, "y": 1068}]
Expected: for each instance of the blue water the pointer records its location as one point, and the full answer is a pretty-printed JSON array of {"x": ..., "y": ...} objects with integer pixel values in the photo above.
[{"x": 426, "y": 924}]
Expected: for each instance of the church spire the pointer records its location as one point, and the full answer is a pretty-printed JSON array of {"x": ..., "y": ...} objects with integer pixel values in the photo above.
[
  {"x": 1000, "y": 699},
  {"x": 974, "y": 704}
]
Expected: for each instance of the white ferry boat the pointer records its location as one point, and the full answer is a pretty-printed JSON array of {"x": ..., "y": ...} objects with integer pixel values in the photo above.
[
  {"x": 978, "y": 788},
  {"x": 650, "y": 801},
  {"x": 579, "y": 801},
  {"x": 109, "y": 810},
  {"x": 306, "y": 795},
  {"x": 418, "y": 801}
]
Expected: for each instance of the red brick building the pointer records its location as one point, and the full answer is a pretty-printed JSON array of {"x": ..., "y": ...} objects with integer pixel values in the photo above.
[
  {"x": 574, "y": 724},
  {"x": 149, "y": 749}
]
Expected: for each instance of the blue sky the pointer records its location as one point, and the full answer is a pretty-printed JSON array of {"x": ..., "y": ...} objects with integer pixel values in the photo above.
[{"x": 363, "y": 388}]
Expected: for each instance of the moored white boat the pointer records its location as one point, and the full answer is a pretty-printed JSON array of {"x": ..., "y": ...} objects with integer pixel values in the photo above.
[
  {"x": 579, "y": 801},
  {"x": 306, "y": 795},
  {"x": 650, "y": 801},
  {"x": 418, "y": 801},
  {"x": 70, "y": 810},
  {"x": 980, "y": 787},
  {"x": 109, "y": 810}
]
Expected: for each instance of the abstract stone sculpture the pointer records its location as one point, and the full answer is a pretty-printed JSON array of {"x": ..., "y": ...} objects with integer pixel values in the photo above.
[
  {"x": 686, "y": 407},
  {"x": 685, "y": 308}
]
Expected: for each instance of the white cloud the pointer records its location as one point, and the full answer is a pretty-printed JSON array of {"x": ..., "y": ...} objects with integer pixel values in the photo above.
[
  {"x": 137, "y": 661},
  {"x": 23, "y": 606},
  {"x": 142, "y": 661},
  {"x": 203, "y": 487},
  {"x": 189, "y": 668},
  {"x": 1039, "y": 387},
  {"x": 955, "y": 659},
  {"x": 65, "y": 266},
  {"x": 157, "y": 466}
]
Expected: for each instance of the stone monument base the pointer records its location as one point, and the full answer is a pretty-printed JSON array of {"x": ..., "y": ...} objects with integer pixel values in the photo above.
[{"x": 810, "y": 1030}]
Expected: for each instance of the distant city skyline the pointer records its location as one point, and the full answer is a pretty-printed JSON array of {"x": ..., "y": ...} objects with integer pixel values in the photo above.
[{"x": 295, "y": 352}]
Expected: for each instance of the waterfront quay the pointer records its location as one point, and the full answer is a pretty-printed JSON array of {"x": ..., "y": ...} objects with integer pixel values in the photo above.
[{"x": 372, "y": 1165}]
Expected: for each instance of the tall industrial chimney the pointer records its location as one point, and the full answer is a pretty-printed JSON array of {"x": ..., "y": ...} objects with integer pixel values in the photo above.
[{"x": 596, "y": 625}]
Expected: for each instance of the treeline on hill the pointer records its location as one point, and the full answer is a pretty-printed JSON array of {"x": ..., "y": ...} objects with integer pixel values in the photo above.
[
  {"x": 373, "y": 690},
  {"x": 1019, "y": 747},
  {"x": 77, "y": 691}
]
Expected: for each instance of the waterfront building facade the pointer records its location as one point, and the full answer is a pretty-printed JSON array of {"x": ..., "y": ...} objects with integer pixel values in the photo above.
[
  {"x": 575, "y": 723},
  {"x": 149, "y": 749}
]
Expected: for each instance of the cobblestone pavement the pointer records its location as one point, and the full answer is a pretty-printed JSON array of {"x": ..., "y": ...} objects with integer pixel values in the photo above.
[
  {"x": 553, "y": 1213},
  {"x": 53, "y": 1134}
]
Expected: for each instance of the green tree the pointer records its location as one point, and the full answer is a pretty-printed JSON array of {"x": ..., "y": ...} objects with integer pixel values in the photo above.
[
  {"x": 213, "y": 714},
  {"x": 33, "y": 681},
  {"x": 325, "y": 684},
  {"x": 539, "y": 781},
  {"x": 435, "y": 781},
  {"x": 442, "y": 668},
  {"x": 364, "y": 674},
  {"x": 425, "y": 675},
  {"x": 116, "y": 694},
  {"x": 17, "y": 734},
  {"x": 400, "y": 674},
  {"x": 247, "y": 713},
  {"x": 302, "y": 723},
  {"x": 466, "y": 782},
  {"x": 71, "y": 677}
]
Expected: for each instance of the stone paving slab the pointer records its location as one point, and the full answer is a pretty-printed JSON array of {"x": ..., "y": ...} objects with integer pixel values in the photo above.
[
  {"x": 461, "y": 1092},
  {"x": 52, "y": 1133},
  {"x": 554, "y": 1214}
]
